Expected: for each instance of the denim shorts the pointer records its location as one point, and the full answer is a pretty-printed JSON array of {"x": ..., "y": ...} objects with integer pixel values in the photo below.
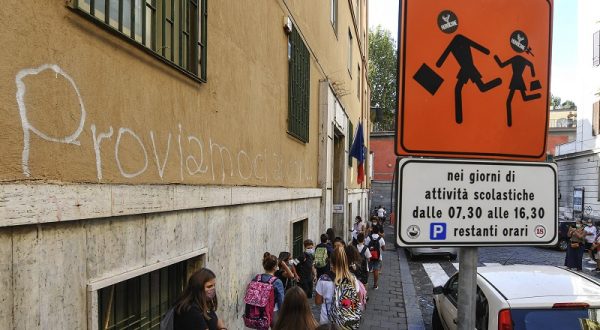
[{"x": 375, "y": 265}]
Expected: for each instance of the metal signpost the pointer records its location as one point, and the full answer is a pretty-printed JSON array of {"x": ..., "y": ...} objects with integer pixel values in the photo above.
[{"x": 473, "y": 83}]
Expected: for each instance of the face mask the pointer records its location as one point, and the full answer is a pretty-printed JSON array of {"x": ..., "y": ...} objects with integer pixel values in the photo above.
[
  {"x": 578, "y": 225},
  {"x": 211, "y": 293},
  {"x": 310, "y": 251}
]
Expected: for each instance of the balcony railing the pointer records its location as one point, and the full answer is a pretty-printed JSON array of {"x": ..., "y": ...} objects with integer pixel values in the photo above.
[{"x": 562, "y": 123}]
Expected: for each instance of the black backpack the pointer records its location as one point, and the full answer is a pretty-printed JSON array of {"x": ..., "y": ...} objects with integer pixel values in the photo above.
[
  {"x": 374, "y": 248},
  {"x": 362, "y": 272}
]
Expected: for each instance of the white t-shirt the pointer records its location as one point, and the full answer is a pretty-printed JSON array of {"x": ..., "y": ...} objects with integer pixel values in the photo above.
[
  {"x": 326, "y": 290},
  {"x": 366, "y": 255},
  {"x": 381, "y": 213},
  {"x": 381, "y": 243},
  {"x": 592, "y": 230}
]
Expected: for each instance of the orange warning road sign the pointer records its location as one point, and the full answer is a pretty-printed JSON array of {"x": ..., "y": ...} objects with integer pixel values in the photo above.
[{"x": 474, "y": 78}]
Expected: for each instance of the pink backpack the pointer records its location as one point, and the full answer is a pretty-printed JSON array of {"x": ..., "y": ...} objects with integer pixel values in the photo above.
[{"x": 260, "y": 302}]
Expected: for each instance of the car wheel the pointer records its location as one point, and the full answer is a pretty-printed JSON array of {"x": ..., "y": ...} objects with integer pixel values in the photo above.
[
  {"x": 436, "y": 322},
  {"x": 562, "y": 245}
]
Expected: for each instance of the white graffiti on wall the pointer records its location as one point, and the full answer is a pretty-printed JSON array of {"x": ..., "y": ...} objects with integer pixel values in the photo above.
[
  {"x": 27, "y": 127},
  {"x": 204, "y": 157}
]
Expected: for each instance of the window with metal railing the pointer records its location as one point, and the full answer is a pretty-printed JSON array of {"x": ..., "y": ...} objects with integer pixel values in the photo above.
[
  {"x": 142, "y": 301},
  {"x": 298, "y": 87},
  {"x": 172, "y": 30}
]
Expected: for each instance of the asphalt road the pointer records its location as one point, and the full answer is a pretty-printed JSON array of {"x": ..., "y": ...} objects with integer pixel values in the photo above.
[{"x": 429, "y": 270}]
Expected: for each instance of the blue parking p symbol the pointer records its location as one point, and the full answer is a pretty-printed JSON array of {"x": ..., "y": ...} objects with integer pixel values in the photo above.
[{"x": 437, "y": 231}]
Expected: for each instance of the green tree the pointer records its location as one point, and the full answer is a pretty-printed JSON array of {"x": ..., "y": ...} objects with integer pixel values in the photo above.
[
  {"x": 555, "y": 101},
  {"x": 383, "y": 61},
  {"x": 568, "y": 104}
]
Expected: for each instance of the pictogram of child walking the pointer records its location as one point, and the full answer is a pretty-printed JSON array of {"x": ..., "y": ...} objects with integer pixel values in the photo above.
[{"x": 519, "y": 44}]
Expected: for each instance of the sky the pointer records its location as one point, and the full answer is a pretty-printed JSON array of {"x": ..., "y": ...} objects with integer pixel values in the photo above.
[{"x": 564, "y": 40}]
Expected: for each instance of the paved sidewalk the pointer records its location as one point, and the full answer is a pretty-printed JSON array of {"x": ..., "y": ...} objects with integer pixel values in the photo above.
[
  {"x": 386, "y": 308},
  {"x": 394, "y": 305}
]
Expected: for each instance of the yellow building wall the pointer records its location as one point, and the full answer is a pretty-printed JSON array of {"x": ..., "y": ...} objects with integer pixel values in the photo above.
[{"x": 80, "y": 104}]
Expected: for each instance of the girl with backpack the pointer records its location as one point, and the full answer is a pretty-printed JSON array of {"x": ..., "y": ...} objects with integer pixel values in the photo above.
[
  {"x": 196, "y": 307},
  {"x": 295, "y": 314},
  {"x": 345, "y": 310},
  {"x": 264, "y": 296}
]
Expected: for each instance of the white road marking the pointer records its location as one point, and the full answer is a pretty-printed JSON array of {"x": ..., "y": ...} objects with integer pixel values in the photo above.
[
  {"x": 492, "y": 264},
  {"x": 455, "y": 264},
  {"x": 436, "y": 274}
]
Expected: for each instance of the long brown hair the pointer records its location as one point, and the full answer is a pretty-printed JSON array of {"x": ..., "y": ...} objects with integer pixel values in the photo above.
[
  {"x": 339, "y": 265},
  {"x": 295, "y": 313},
  {"x": 194, "y": 294}
]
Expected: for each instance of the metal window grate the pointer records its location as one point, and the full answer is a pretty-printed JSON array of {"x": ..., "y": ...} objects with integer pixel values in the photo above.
[
  {"x": 298, "y": 87},
  {"x": 141, "y": 302},
  {"x": 172, "y": 30},
  {"x": 298, "y": 238},
  {"x": 597, "y": 48}
]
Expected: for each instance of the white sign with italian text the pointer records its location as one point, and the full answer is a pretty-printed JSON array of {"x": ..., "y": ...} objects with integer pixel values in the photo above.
[{"x": 476, "y": 203}]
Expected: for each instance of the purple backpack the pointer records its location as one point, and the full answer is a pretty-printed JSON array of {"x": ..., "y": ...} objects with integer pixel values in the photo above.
[{"x": 260, "y": 302}]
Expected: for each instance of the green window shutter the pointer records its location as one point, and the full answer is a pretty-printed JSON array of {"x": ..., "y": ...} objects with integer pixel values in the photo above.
[
  {"x": 298, "y": 88},
  {"x": 298, "y": 239},
  {"x": 350, "y": 140}
]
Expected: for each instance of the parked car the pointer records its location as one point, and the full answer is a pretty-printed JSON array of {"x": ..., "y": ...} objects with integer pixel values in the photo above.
[
  {"x": 450, "y": 252},
  {"x": 519, "y": 297}
]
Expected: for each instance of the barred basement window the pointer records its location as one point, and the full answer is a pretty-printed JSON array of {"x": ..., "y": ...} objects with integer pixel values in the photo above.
[
  {"x": 172, "y": 30},
  {"x": 141, "y": 302},
  {"x": 298, "y": 87}
]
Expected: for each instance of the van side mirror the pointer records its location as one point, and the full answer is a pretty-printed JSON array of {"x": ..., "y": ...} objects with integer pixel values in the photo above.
[{"x": 438, "y": 290}]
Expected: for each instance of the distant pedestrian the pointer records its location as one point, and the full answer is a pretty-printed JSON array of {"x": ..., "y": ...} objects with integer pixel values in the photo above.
[
  {"x": 338, "y": 242},
  {"x": 306, "y": 269},
  {"x": 357, "y": 228},
  {"x": 596, "y": 249},
  {"x": 295, "y": 314},
  {"x": 196, "y": 307},
  {"x": 376, "y": 245},
  {"x": 323, "y": 252},
  {"x": 573, "y": 258},
  {"x": 590, "y": 237},
  {"x": 381, "y": 213},
  {"x": 330, "y": 236}
]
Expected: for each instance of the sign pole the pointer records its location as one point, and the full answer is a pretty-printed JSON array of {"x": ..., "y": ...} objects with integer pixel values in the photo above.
[{"x": 467, "y": 288}]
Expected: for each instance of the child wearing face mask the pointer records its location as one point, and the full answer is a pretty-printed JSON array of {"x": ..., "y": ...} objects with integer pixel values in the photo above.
[
  {"x": 197, "y": 306},
  {"x": 287, "y": 270},
  {"x": 306, "y": 269}
]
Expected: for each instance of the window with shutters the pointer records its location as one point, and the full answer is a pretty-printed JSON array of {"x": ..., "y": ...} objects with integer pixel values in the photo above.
[
  {"x": 299, "y": 87},
  {"x": 596, "y": 119},
  {"x": 173, "y": 31},
  {"x": 596, "y": 60}
]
